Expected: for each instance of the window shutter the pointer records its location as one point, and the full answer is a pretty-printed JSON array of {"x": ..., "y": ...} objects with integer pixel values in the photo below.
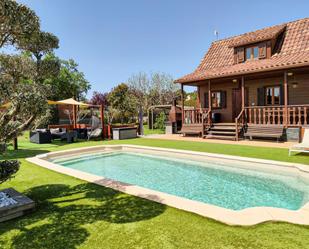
[
  {"x": 261, "y": 96},
  {"x": 223, "y": 99},
  {"x": 235, "y": 56},
  {"x": 262, "y": 51},
  {"x": 240, "y": 55},
  {"x": 206, "y": 100},
  {"x": 281, "y": 95}
]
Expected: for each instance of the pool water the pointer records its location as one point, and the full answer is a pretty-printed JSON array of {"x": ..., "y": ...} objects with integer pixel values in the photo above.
[{"x": 212, "y": 183}]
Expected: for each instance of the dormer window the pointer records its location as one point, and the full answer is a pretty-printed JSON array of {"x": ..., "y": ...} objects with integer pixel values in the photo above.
[{"x": 252, "y": 53}]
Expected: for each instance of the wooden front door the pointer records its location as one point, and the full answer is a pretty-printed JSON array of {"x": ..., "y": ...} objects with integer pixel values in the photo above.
[{"x": 236, "y": 102}]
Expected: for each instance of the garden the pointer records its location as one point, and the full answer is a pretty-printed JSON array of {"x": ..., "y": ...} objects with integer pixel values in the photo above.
[{"x": 71, "y": 213}]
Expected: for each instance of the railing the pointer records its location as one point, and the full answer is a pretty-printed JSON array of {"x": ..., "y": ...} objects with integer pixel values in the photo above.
[
  {"x": 195, "y": 116},
  {"x": 293, "y": 115},
  {"x": 240, "y": 121},
  {"x": 206, "y": 119}
]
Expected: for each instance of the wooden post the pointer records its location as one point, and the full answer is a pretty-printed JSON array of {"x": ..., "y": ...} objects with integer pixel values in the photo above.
[
  {"x": 198, "y": 100},
  {"x": 286, "y": 98},
  {"x": 109, "y": 135},
  {"x": 243, "y": 104},
  {"x": 74, "y": 116},
  {"x": 102, "y": 119},
  {"x": 182, "y": 106},
  {"x": 209, "y": 102},
  {"x": 243, "y": 92}
]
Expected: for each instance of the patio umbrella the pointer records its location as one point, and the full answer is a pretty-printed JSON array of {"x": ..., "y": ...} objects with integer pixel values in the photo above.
[{"x": 69, "y": 101}]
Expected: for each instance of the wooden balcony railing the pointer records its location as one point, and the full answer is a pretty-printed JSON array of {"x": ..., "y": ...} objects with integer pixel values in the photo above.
[
  {"x": 293, "y": 115},
  {"x": 195, "y": 116}
]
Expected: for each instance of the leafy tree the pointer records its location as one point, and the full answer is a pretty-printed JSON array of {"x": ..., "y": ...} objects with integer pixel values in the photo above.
[
  {"x": 190, "y": 99},
  {"x": 17, "y": 22},
  {"x": 38, "y": 45},
  {"x": 160, "y": 121},
  {"x": 27, "y": 99},
  {"x": 99, "y": 99},
  {"x": 70, "y": 82},
  {"x": 121, "y": 100}
]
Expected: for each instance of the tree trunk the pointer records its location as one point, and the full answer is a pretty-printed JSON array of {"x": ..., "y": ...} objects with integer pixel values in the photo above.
[{"x": 140, "y": 120}]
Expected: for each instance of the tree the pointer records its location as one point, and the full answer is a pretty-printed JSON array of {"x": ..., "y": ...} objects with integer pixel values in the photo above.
[
  {"x": 99, "y": 99},
  {"x": 140, "y": 88},
  {"x": 70, "y": 82},
  {"x": 190, "y": 99},
  {"x": 156, "y": 89},
  {"x": 120, "y": 99},
  {"x": 27, "y": 99},
  {"x": 17, "y": 22},
  {"x": 163, "y": 89},
  {"x": 40, "y": 44}
]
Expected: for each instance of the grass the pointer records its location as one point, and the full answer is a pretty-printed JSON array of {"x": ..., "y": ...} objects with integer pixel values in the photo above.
[
  {"x": 75, "y": 214},
  {"x": 148, "y": 131}
]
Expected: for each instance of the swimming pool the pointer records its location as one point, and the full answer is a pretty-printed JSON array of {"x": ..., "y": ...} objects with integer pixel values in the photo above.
[
  {"x": 211, "y": 183},
  {"x": 234, "y": 190}
]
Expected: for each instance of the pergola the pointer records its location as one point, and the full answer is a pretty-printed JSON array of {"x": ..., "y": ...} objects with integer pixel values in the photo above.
[{"x": 75, "y": 104}]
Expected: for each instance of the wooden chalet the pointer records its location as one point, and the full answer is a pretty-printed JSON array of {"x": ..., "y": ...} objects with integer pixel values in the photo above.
[{"x": 253, "y": 84}]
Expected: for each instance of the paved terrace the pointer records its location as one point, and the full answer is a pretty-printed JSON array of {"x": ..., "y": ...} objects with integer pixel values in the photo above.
[{"x": 272, "y": 144}]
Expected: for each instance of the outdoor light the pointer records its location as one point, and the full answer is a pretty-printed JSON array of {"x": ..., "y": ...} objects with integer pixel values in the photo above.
[
  {"x": 290, "y": 74},
  {"x": 234, "y": 80},
  {"x": 294, "y": 85}
]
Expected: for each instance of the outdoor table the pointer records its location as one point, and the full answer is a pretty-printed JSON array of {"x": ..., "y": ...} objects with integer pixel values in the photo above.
[{"x": 70, "y": 136}]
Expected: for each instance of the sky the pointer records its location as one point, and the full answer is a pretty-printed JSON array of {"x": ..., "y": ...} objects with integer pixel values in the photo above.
[{"x": 111, "y": 40}]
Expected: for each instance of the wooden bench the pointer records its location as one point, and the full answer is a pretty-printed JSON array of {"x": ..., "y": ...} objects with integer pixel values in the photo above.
[
  {"x": 264, "y": 131},
  {"x": 192, "y": 129}
]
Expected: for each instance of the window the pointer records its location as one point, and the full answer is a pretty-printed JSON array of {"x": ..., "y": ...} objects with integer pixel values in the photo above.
[
  {"x": 273, "y": 95},
  {"x": 216, "y": 100},
  {"x": 252, "y": 53}
]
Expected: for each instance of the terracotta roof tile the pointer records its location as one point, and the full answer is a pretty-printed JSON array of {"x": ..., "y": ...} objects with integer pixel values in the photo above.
[
  {"x": 219, "y": 60},
  {"x": 257, "y": 36}
]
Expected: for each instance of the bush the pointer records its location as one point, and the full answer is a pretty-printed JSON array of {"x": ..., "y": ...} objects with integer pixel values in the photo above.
[
  {"x": 160, "y": 121},
  {"x": 7, "y": 169}
]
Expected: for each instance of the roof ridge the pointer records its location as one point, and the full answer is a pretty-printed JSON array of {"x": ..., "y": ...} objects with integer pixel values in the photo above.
[{"x": 250, "y": 32}]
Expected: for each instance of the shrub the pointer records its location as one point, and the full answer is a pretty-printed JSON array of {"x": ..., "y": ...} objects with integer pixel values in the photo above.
[
  {"x": 160, "y": 121},
  {"x": 7, "y": 169}
]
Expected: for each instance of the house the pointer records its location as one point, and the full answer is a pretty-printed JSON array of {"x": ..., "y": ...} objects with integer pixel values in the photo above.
[{"x": 259, "y": 79}]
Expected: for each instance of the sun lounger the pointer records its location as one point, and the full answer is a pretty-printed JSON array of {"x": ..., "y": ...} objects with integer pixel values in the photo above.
[{"x": 303, "y": 146}]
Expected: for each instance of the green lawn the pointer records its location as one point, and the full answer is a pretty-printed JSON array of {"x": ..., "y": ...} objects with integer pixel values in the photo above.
[
  {"x": 75, "y": 214},
  {"x": 148, "y": 131}
]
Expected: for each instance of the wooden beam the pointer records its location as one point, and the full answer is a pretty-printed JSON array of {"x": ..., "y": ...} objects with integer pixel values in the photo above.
[
  {"x": 182, "y": 106},
  {"x": 102, "y": 119},
  {"x": 209, "y": 95},
  {"x": 198, "y": 97},
  {"x": 243, "y": 92},
  {"x": 74, "y": 116},
  {"x": 285, "y": 83}
]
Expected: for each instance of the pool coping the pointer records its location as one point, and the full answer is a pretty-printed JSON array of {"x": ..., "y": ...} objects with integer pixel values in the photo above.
[{"x": 245, "y": 217}]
